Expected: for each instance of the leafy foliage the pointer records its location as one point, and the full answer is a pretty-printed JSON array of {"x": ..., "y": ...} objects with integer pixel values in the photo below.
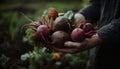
[
  {"x": 3, "y": 59},
  {"x": 40, "y": 58}
]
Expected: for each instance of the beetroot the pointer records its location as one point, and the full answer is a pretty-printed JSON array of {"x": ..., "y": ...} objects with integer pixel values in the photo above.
[
  {"x": 63, "y": 24},
  {"x": 42, "y": 32},
  {"x": 78, "y": 35},
  {"x": 59, "y": 37},
  {"x": 89, "y": 30},
  {"x": 88, "y": 27}
]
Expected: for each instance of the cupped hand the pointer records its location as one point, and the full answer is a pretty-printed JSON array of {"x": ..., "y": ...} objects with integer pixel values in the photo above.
[{"x": 72, "y": 47}]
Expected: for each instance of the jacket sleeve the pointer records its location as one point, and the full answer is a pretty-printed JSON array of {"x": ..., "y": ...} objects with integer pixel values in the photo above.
[
  {"x": 110, "y": 33},
  {"x": 92, "y": 11}
]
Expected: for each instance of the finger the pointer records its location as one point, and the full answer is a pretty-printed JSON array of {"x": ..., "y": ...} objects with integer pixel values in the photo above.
[
  {"x": 72, "y": 44},
  {"x": 73, "y": 50}
]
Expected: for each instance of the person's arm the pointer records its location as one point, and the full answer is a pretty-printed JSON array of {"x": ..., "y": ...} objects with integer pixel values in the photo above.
[
  {"x": 92, "y": 11},
  {"x": 110, "y": 33}
]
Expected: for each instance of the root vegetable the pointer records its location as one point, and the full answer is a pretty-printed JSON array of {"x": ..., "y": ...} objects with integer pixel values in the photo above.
[
  {"x": 88, "y": 27},
  {"x": 78, "y": 35},
  {"x": 63, "y": 24},
  {"x": 59, "y": 37},
  {"x": 42, "y": 32}
]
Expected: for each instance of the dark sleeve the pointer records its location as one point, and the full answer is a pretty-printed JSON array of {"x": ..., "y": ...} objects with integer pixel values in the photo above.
[
  {"x": 92, "y": 10},
  {"x": 110, "y": 33}
]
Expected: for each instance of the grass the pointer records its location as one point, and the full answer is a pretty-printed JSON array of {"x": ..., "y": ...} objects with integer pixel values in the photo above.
[{"x": 38, "y": 5}]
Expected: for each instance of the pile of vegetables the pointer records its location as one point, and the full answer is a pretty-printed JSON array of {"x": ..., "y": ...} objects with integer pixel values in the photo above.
[{"x": 52, "y": 30}]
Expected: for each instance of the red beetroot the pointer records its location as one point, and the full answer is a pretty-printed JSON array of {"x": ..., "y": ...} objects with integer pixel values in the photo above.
[
  {"x": 78, "y": 35},
  {"x": 88, "y": 27},
  {"x": 42, "y": 32}
]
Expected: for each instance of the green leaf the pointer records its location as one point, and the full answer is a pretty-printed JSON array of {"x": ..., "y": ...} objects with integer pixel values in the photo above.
[
  {"x": 58, "y": 63},
  {"x": 3, "y": 59},
  {"x": 69, "y": 14},
  {"x": 24, "y": 57}
]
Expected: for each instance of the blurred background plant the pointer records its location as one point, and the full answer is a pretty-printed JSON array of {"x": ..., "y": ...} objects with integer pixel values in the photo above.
[
  {"x": 13, "y": 16},
  {"x": 40, "y": 59}
]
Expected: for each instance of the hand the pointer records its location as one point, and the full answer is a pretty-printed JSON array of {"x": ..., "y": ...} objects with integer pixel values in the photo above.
[{"x": 73, "y": 47}]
